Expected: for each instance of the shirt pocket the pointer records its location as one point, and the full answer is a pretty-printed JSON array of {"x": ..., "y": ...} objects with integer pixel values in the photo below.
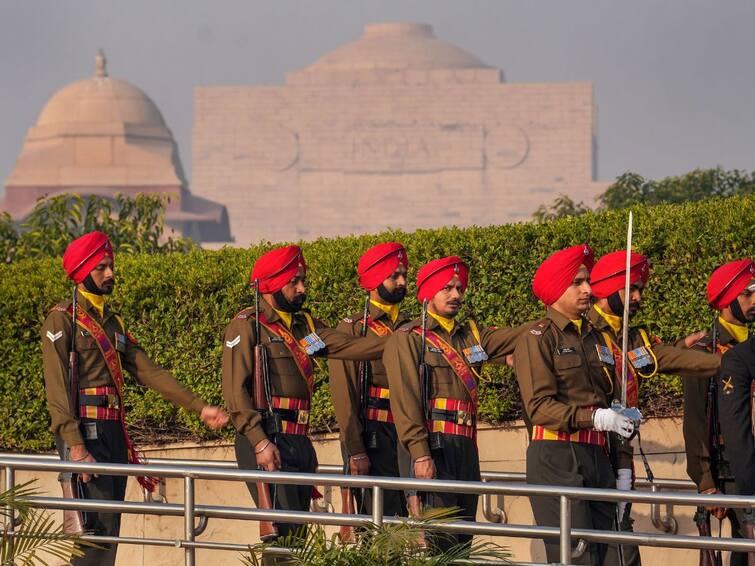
[
  {"x": 442, "y": 374},
  {"x": 564, "y": 362},
  {"x": 85, "y": 342}
]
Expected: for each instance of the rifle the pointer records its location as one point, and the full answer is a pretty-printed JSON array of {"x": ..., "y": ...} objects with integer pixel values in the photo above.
[
  {"x": 347, "y": 533},
  {"x": 415, "y": 502},
  {"x": 702, "y": 517},
  {"x": 263, "y": 401},
  {"x": 74, "y": 520}
]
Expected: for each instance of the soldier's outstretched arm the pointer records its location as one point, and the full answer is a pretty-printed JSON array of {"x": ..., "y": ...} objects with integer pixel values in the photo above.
[
  {"x": 343, "y": 346},
  {"x": 688, "y": 363},
  {"x": 343, "y": 378},
  {"x": 500, "y": 342}
]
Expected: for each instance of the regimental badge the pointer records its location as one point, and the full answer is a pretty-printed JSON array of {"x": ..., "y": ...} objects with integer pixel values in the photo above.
[
  {"x": 536, "y": 332},
  {"x": 604, "y": 354},
  {"x": 56, "y": 336},
  {"x": 234, "y": 342},
  {"x": 312, "y": 343},
  {"x": 475, "y": 354},
  {"x": 640, "y": 357},
  {"x": 120, "y": 343},
  {"x": 727, "y": 384},
  {"x": 348, "y": 320}
]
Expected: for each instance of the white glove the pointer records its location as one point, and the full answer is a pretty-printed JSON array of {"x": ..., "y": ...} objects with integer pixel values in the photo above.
[
  {"x": 610, "y": 421},
  {"x": 624, "y": 483}
]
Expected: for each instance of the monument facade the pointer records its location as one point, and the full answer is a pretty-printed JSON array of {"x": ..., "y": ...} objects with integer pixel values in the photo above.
[{"x": 396, "y": 129}]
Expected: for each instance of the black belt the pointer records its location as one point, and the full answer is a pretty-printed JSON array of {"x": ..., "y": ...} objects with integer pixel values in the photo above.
[
  {"x": 379, "y": 403},
  {"x": 110, "y": 401},
  {"x": 458, "y": 417}
]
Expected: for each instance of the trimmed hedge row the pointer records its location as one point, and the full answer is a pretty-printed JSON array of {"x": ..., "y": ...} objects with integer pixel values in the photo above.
[{"x": 178, "y": 304}]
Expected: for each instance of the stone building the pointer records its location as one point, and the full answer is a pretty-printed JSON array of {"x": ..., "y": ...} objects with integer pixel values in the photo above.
[
  {"x": 395, "y": 129},
  {"x": 104, "y": 136}
]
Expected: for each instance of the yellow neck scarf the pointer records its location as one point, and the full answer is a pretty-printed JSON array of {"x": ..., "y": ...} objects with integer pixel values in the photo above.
[
  {"x": 390, "y": 310},
  {"x": 612, "y": 320},
  {"x": 578, "y": 325},
  {"x": 286, "y": 317},
  {"x": 446, "y": 323},
  {"x": 98, "y": 301},
  {"x": 737, "y": 331}
]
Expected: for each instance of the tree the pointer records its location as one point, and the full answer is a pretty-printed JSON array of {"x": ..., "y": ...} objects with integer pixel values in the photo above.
[
  {"x": 133, "y": 224},
  {"x": 562, "y": 206}
]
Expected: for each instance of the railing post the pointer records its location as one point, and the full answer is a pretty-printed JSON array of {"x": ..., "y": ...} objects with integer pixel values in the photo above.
[
  {"x": 565, "y": 531},
  {"x": 377, "y": 506},
  {"x": 10, "y": 517},
  {"x": 189, "y": 519}
]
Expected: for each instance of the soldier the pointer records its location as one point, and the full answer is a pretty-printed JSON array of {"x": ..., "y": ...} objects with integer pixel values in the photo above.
[
  {"x": 730, "y": 291},
  {"x": 276, "y": 438},
  {"x": 565, "y": 372},
  {"x": 86, "y": 406},
  {"x": 361, "y": 396},
  {"x": 436, "y": 418},
  {"x": 647, "y": 355},
  {"x": 736, "y": 398}
]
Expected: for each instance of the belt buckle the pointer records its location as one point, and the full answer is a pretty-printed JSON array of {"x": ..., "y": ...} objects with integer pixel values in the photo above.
[
  {"x": 302, "y": 417},
  {"x": 113, "y": 402},
  {"x": 464, "y": 418}
]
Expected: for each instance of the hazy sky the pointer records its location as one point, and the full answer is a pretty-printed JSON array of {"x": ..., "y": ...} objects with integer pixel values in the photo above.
[{"x": 673, "y": 79}]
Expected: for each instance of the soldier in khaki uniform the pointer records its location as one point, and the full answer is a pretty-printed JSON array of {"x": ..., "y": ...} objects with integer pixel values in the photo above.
[
  {"x": 368, "y": 433},
  {"x": 438, "y": 426},
  {"x": 567, "y": 379},
  {"x": 730, "y": 291},
  {"x": 646, "y": 353},
  {"x": 94, "y": 431},
  {"x": 276, "y": 439}
]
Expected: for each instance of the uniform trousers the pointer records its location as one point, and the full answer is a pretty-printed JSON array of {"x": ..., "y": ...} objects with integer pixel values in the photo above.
[
  {"x": 572, "y": 464},
  {"x": 105, "y": 442}
]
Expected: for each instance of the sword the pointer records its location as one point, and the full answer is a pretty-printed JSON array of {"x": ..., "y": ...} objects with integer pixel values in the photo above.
[{"x": 621, "y": 406}]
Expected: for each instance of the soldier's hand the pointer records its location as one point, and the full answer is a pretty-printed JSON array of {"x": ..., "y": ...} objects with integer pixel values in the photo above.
[
  {"x": 79, "y": 453},
  {"x": 718, "y": 512},
  {"x": 694, "y": 338},
  {"x": 214, "y": 417},
  {"x": 424, "y": 468},
  {"x": 268, "y": 456},
  {"x": 510, "y": 360},
  {"x": 359, "y": 464},
  {"x": 611, "y": 421}
]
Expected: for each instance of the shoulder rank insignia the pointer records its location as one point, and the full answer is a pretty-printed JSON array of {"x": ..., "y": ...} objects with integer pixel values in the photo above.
[
  {"x": 312, "y": 343},
  {"x": 234, "y": 342},
  {"x": 348, "y": 320},
  {"x": 475, "y": 354},
  {"x": 54, "y": 337},
  {"x": 538, "y": 328},
  {"x": 639, "y": 357},
  {"x": 604, "y": 354},
  {"x": 727, "y": 385},
  {"x": 242, "y": 316}
]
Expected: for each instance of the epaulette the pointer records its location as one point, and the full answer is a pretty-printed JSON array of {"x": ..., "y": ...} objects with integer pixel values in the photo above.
[
  {"x": 408, "y": 326},
  {"x": 245, "y": 313},
  {"x": 353, "y": 318},
  {"x": 60, "y": 307},
  {"x": 540, "y": 326}
]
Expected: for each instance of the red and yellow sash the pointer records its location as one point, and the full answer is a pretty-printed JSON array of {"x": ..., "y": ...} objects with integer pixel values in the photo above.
[
  {"x": 378, "y": 327},
  {"x": 457, "y": 363},
  {"x": 113, "y": 363},
  {"x": 302, "y": 359}
]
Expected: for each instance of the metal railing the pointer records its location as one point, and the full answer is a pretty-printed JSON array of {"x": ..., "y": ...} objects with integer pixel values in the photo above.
[{"x": 495, "y": 484}]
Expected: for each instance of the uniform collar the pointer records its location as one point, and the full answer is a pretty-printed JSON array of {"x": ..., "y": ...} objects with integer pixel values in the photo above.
[
  {"x": 447, "y": 324},
  {"x": 378, "y": 310},
  {"x": 563, "y": 321},
  {"x": 92, "y": 302},
  {"x": 734, "y": 332},
  {"x": 606, "y": 318}
]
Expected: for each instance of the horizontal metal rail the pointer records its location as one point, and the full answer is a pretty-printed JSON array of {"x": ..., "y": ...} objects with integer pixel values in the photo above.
[{"x": 495, "y": 485}]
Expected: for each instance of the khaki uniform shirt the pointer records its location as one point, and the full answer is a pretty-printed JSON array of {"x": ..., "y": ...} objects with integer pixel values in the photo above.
[
  {"x": 695, "y": 426},
  {"x": 285, "y": 378},
  {"x": 401, "y": 360},
  {"x": 344, "y": 380},
  {"x": 561, "y": 375},
  {"x": 93, "y": 372},
  {"x": 671, "y": 359}
]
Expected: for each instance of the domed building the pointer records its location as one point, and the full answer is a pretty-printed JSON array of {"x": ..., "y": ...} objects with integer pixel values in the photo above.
[
  {"x": 397, "y": 128},
  {"x": 105, "y": 136}
]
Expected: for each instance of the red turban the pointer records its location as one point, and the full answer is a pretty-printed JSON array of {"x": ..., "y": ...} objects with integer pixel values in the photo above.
[
  {"x": 435, "y": 275},
  {"x": 276, "y": 268},
  {"x": 728, "y": 281},
  {"x": 608, "y": 275},
  {"x": 379, "y": 262},
  {"x": 557, "y": 272},
  {"x": 84, "y": 253}
]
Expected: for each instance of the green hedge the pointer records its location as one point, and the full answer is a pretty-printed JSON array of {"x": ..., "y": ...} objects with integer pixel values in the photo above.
[{"x": 178, "y": 304}]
